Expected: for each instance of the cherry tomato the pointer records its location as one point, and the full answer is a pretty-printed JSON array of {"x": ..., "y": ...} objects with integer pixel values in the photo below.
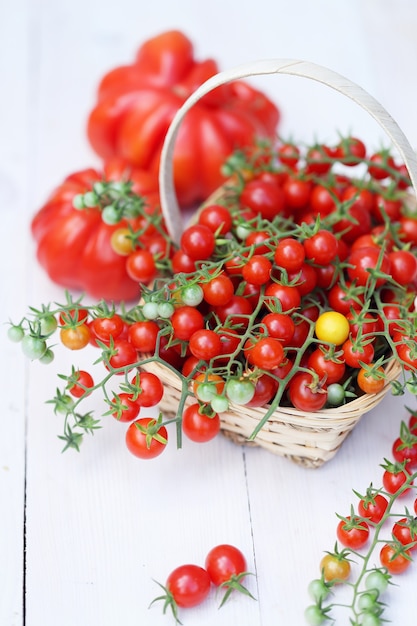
[
  {"x": 35, "y": 347},
  {"x": 75, "y": 338},
  {"x": 305, "y": 280},
  {"x": 235, "y": 312},
  {"x": 408, "y": 229},
  {"x": 198, "y": 242},
  {"x": 403, "y": 266},
  {"x": 143, "y": 335},
  {"x": 257, "y": 270},
  {"x": 370, "y": 382},
  {"x": 323, "y": 200},
  {"x": 385, "y": 207},
  {"x": 296, "y": 192},
  {"x": 239, "y": 391},
  {"x": 364, "y": 324},
  {"x": 306, "y": 393},
  {"x": 105, "y": 328},
  {"x": 344, "y": 298},
  {"x": 350, "y": 151},
  {"x": 126, "y": 410},
  {"x": 285, "y": 297},
  {"x": 394, "y": 478},
  {"x": 332, "y": 327},
  {"x": 224, "y": 563},
  {"x": 263, "y": 197},
  {"x": 280, "y": 326},
  {"x": 405, "y": 531},
  {"x": 219, "y": 290},
  {"x": 321, "y": 248},
  {"x": 123, "y": 355},
  {"x": 140, "y": 266},
  {"x": 217, "y": 218},
  {"x": 289, "y": 154},
  {"x": 265, "y": 389},
  {"x": 356, "y": 223},
  {"x": 373, "y": 507},
  {"x": 266, "y": 353},
  {"x": 121, "y": 241},
  {"x": 365, "y": 259},
  {"x": 186, "y": 320},
  {"x": 181, "y": 262},
  {"x": 318, "y": 160},
  {"x": 353, "y": 533},
  {"x": 83, "y": 385},
  {"x": 198, "y": 425},
  {"x": 149, "y": 389},
  {"x": 205, "y": 344},
  {"x": 406, "y": 451},
  {"x": 327, "y": 366},
  {"x": 356, "y": 355},
  {"x": 335, "y": 568},
  {"x": 289, "y": 254},
  {"x": 260, "y": 240},
  {"x": 380, "y": 165},
  {"x": 395, "y": 562},
  {"x": 189, "y": 585},
  {"x": 146, "y": 438}
]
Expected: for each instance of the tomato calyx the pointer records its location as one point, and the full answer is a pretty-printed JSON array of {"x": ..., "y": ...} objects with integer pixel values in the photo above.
[
  {"x": 169, "y": 602},
  {"x": 235, "y": 584},
  {"x": 152, "y": 431}
]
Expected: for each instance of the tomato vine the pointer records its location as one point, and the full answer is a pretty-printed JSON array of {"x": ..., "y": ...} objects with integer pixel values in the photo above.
[{"x": 378, "y": 529}]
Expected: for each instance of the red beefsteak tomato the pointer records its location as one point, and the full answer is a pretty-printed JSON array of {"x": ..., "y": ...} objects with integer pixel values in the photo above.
[
  {"x": 137, "y": 102},
  {"x": 73, "y": 246}
]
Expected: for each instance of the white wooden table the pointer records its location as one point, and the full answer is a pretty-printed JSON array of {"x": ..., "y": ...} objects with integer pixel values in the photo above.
[{"x": 82, "y": 536}]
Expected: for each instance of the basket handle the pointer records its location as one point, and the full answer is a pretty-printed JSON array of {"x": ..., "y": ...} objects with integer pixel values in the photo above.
[{"x": 294, "y": 67}]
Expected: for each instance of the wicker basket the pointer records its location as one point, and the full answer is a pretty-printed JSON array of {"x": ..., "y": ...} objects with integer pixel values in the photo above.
[{"x": 309, "y": 439}]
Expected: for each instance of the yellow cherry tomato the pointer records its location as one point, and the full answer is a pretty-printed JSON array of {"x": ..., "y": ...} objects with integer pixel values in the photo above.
[
  {"x": 332, "y": 327},
  {"x": 75, "y": 338},
  {"x": 335, "y": 568},
  {"x": 121, "y": 241}
]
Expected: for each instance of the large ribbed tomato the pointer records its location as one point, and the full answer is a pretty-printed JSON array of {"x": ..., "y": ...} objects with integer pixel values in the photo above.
[
  {"x": 73, "y": 246},
  {"x": 136, "y": 103}
]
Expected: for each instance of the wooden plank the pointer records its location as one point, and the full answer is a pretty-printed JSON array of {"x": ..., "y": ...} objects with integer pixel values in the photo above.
[{"x": 15, "y": 145}]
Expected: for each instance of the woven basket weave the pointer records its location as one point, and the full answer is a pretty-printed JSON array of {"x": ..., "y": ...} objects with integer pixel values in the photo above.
[{"x": 309, "y": 439}]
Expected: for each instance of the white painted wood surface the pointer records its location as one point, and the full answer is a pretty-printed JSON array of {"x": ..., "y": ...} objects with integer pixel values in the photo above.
[{"x": 83, "y": 535}]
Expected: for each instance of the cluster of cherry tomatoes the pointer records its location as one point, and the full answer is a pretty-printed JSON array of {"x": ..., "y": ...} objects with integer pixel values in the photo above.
[
  {"x": 298, "y": 273},
  {"x": 294, "y": 287},
  {"x": 360, "y": 533}
]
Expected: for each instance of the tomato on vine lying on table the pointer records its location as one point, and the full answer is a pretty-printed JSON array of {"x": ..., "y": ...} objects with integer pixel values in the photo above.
[
  {"x": 186, "y": 586},
  {"x": 189, "y": 585},
  {"x": 136, "y": 103},
  {"x": 380, "y": 539},
  {"x": 275, "y": 303},
  {"x": 227, "y": 568}
]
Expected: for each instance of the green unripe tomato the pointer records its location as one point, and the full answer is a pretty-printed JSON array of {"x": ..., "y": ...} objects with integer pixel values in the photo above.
[{"x": 239, "y": 391}]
